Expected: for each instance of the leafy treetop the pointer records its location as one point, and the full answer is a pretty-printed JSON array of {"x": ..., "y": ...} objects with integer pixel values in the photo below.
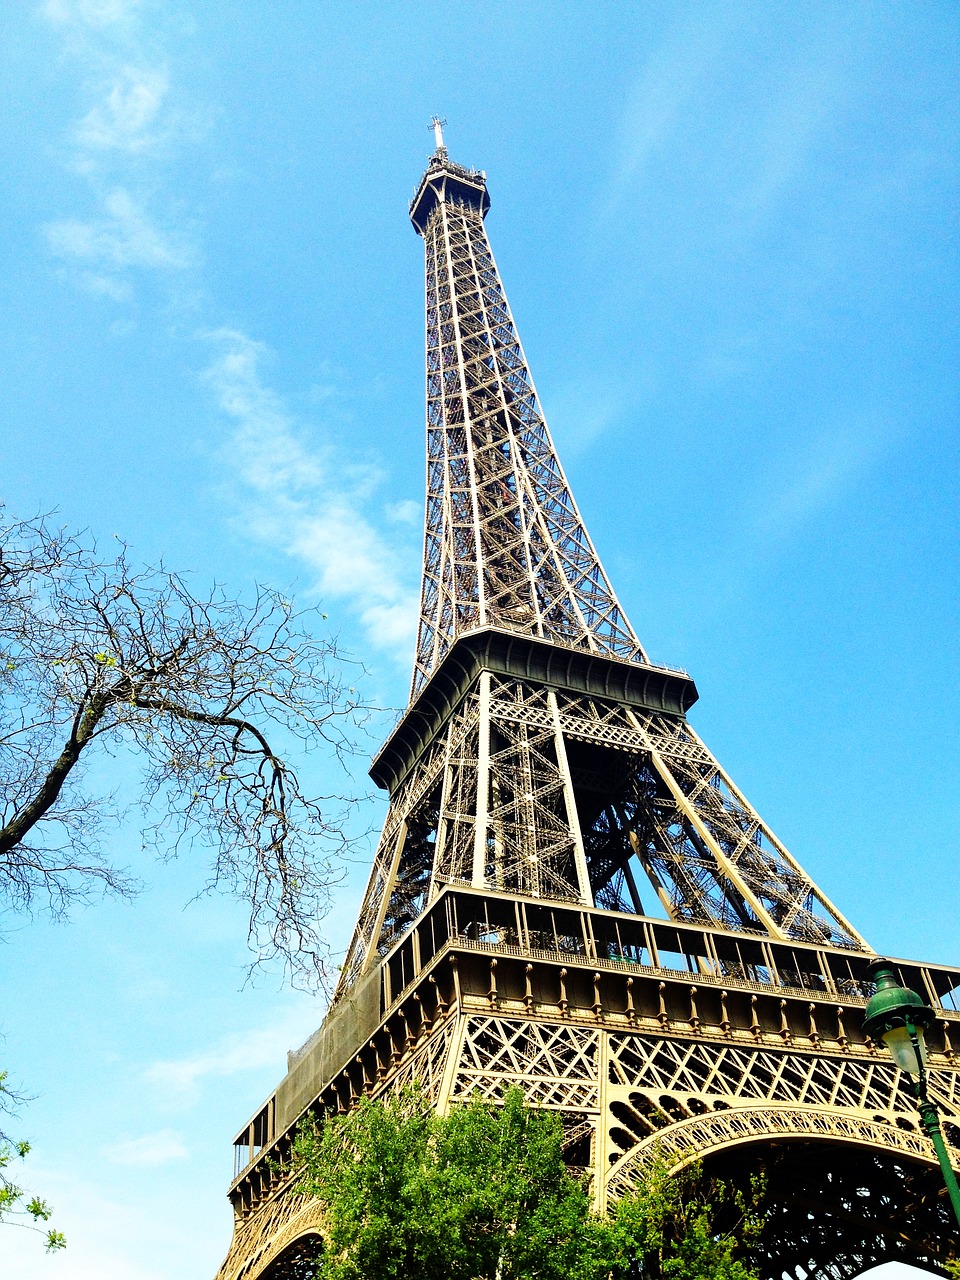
[{"x": 483, "y": 1194}]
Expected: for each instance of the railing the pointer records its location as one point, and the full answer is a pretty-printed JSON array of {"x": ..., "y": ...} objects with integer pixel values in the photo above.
[
  {"x": 636, "y": 966},
  {"x": 458, "y": 170}
]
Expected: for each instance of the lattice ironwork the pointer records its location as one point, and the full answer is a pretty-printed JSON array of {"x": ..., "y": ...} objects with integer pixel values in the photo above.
[
  {"x": 747, "y": 1074},
  {"x": 556, "y": 1066},
  {"x": 687, "y": 1098},
  {"x": 580, "y": 799},
  {"x": 395, "y": 891},
  {"x": 279, "y": 1241},
  {"x": 699, "y": 1136},
  {"x": 504, "y": 542},
  {"x": 838, "y": 1208},
  {"x": 426, "y": 1067}
]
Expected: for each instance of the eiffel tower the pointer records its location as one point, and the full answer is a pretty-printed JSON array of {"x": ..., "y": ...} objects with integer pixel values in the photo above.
[{"x": 570, "y": 893}]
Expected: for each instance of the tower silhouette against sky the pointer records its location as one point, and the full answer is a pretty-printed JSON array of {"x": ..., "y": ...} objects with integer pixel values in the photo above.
[{"x": 570, "y": 893}]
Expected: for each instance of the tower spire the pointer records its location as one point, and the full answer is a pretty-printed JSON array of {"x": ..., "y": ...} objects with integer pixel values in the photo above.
[
  {"x": 505, "y": 545},
  {"x": 437, "y": 125}
]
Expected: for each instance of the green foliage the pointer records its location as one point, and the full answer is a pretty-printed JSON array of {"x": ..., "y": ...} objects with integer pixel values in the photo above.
[
  {"x": 17, "y": 1207},
  {"x": 483, "y": 1194},
  {"x": 480, "y": 1193},
  {"x": 684, "y": 1226}
]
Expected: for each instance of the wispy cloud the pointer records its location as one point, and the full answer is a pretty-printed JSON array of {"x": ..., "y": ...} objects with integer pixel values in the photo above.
[
  {"x": 406, "y": 512},
  {"x": 123, "y": 237},
  {"x": 129, "y": 128},
  {"x": 580, "y": 412},
  {"x": 817, "y": 474},
  {"x": 94, "y": 13},
  {"x": 670, "y": 77},
  {"x": 303, "y": 493},
  {"x": 791, "y": 496},
  {"x": 163, "y": 1147},
  {"x": 311, "y": 501},
  {"x": 181, "y": 1079},
  {"x": 125, "y": 116},
  {"x": 704, "y": 113}
]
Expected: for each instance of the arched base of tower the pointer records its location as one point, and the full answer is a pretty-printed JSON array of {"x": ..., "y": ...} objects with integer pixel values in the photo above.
[
  {"x": 637, "y": 1059},
  {"x": 297, "y": 1262},
  {"x": 838, "y": 1209}
]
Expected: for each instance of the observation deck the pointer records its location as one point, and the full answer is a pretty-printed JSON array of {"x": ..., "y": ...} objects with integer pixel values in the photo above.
[{"x": 446, "y": 181}]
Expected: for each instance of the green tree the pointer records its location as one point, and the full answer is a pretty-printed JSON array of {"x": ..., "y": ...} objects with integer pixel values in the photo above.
[
  {"x": 17, "y": 1206},
  {"x": 682, "y": 1224},
  {"x": 483, "y": 1194}
]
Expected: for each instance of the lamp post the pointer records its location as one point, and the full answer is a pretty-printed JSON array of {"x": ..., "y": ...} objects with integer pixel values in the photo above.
[{"x": 897, "y": 1016}]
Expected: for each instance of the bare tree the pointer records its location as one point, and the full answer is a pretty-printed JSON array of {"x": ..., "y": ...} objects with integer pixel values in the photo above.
[{"x": 208, "y": 693}]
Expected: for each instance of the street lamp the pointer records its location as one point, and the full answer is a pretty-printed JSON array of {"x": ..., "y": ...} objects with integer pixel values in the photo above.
[{"x": 897, "y": 1016}]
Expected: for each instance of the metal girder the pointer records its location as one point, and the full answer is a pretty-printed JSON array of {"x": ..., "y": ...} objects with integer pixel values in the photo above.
[
  {"x": 504, "y": 544},
  {"x": 574, "y": 798}
]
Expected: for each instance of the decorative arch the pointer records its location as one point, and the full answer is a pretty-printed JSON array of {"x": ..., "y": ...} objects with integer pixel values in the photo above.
[
  {"x": 280, "y": 1242},
  {"x": 698, "y": 1136},
  {"x": 844, "y": 1192},
  {"x": 296, "y": 1261}
]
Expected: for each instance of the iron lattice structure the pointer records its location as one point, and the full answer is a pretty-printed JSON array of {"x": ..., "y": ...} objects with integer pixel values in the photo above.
[
  {"x": 570, "y": 893},
  {"x": 504, "y": 544}
]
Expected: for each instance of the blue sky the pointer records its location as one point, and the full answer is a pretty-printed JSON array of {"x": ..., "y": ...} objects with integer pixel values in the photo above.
[{"x": 728, "y": 233}]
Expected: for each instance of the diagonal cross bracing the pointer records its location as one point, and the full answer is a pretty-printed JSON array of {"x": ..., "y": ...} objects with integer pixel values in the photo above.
[{"x": 504, "y": 543}]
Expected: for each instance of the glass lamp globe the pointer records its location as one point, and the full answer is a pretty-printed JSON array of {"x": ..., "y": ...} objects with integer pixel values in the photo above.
[
  {"x": 900, "y": 1044},
  {"x": 892, "y": 1013}
]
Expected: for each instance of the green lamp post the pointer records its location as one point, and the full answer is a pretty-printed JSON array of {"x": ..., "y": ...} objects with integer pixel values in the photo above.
[{"x": 898, "y": 1017}]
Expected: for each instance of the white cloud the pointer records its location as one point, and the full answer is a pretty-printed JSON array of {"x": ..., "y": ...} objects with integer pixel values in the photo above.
[
  {"x": 241, "y": 1052},
  {"x": 151, "y": 1149},
  {"x": 310, "y": 501},
  {"x": 126, "y": 130},
  {"x": 91, "y": 13},
  {"x": 124, "y": 238},
  {"x": 314, "y": 502},
  {"x": 108, "y": 286},
  {"x": 182, "y": 1078},
  {"x": 406, "y": 512},
  {"x": 122, "y": 120}
]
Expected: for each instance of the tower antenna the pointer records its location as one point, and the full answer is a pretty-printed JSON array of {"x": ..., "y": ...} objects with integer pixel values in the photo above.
[{"x": 436, "y": 124}]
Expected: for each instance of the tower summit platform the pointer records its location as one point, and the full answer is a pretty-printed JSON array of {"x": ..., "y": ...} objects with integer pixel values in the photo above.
[{"x": 445, "y": 181}]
